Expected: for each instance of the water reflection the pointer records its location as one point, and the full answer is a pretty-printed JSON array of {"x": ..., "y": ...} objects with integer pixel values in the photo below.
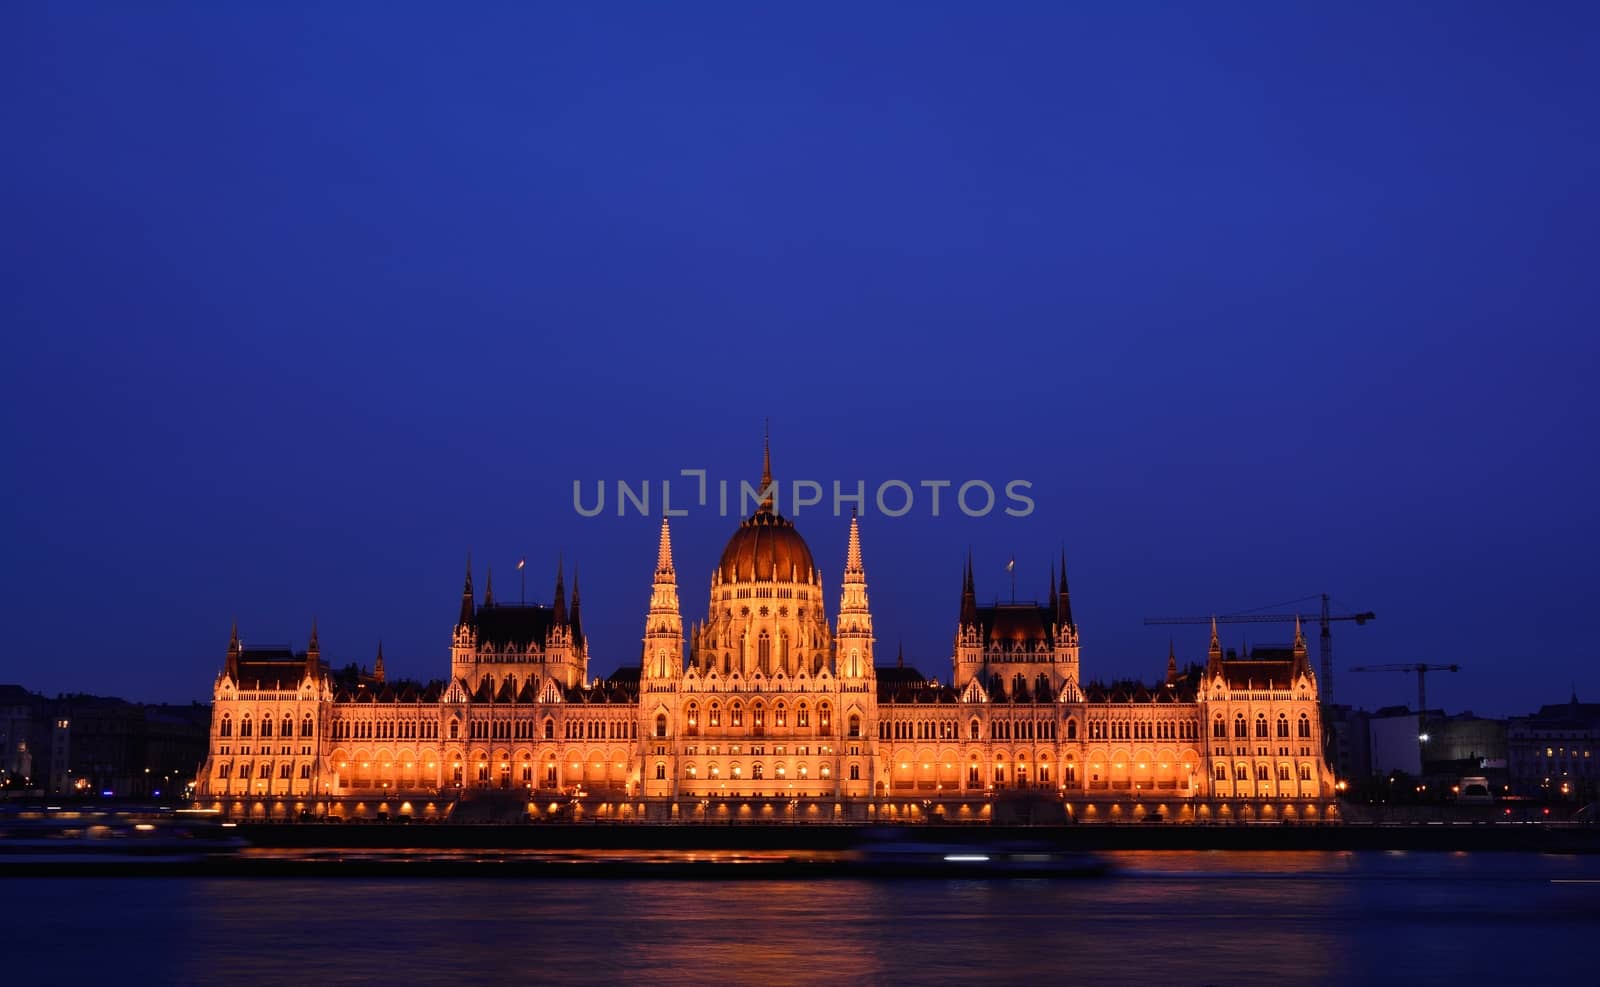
[{"x": 1176, "y": 918}]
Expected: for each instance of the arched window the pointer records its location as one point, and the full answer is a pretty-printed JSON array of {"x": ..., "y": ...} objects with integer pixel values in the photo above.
[
  {"x": 691, "y": 721},
  {"x": 1261, "y": 725},
  {"x": 780, "y": 715},
  {"x": 288, "y": 727},
  {"x": 997, "y": 689},
  {"x": 1305, "y": 772},
  {"x": 802, "y": 716},
  {"x": 1019, "y": 686},
  {"x": 549, "y": 729},
  {"x": 266, "y": 726},
  {"x": 1305, "y": 725},
  {"x": 1222, "y": 772},
  {"x": 756, "y": 771},
  {"x": 973, "y": 729},
  {"x": 764, "y": 654},
  {"x": 1283, "y": 725},
  {"x": 1219, "y": 729},
  {"x": 1072, "y": 729},
  {"x": 855, "y": 725},
  {"x": 823, "y": 714},
  {"x": 307, "y": 727},
  {"x": 661, "y": 724},
  {"x": 226, "y": 729},
  {"x": 1242, "y": 774},
  {"x": 1041, "y": 688},
  {"x": 1240, "y": 729},
  {"x": 1283, "y": 772},
  {"x": 455, "y": 729},
  {"x": 661, "y": 771},
  {"x": 716, "y": 715},
  {"x": 737, "y": 715},
  {"x": 244, "y": 726},
  {"x": 758, "y": 717},
  {"x": 1261, "y": 772}
]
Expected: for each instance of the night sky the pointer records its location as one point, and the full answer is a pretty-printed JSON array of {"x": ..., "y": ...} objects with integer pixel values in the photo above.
[{"x": 299, "y": 307}]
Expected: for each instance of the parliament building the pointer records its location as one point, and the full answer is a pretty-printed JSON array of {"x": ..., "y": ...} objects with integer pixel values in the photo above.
[{"x": 768, "y": 710}]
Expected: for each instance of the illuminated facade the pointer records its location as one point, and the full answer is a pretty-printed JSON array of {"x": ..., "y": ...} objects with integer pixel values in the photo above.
[{"x": 771, "y": 711}]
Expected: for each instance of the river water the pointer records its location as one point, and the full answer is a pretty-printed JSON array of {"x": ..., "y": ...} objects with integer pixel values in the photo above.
[{"x": 1165, "y": 917}]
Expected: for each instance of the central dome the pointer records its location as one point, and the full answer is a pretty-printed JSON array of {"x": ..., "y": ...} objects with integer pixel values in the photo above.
[{"x": 766, "y": 546}]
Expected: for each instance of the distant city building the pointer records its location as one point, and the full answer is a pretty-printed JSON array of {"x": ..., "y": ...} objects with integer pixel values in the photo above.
[
  {"x": 1552, "y": 753},
  {"x": 78, "y": 744},
  {"x": 1394, "y": 744},
  {"x": 770, "y": 711}
]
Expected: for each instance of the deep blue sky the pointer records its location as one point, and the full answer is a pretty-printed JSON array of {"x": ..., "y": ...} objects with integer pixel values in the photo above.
[{"x": 1265, "y": 302}]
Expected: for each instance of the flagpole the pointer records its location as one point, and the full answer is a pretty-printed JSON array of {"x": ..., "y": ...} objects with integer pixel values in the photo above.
[{"x": 522, "y": 571}]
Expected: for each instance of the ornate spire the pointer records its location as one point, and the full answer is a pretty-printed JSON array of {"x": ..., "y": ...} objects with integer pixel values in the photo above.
[
  {"x": 1172, "y": 664},
  {"x": 969, "y": 596},
  {"x": 766, "y": 469},
  {"x": 664, "y": 552},
  {"x": 577, "y": 623},
  {"x": 488, "y": 587},
  {"x": 1064, "y": 596},
  {"x": 852, "y": 554},
  {"x": 561, "y": 593},
  {"x": 377, "y": 665},
  {"x": 467, "y": 603},
  {"x": 313, "y": 651},
  {"x": 1299, "y": 637},
  {"x": 234, "y": 649}
]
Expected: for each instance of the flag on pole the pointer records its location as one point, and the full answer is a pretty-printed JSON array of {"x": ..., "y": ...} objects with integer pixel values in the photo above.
[
  {"x": 1012, "y": 565},
  {"x": 521, "y": 563}
]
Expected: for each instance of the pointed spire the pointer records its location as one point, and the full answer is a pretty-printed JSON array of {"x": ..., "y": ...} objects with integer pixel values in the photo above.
[
  {"x": 377, "y": 665},
  {"x": 561, "y": 593},
  {"x": 488, "y": 587},
  {"x": 234, "y": 649},
  {"x": 1172, "y": 663},
  {"x": 766, "y": 467},
  {"x": 969, "y": 596},
  {"x": 1215, "y": 649},
  {"x": 1064, "y": 596},
  {"x": 577, "y": 623},
  {"x": 313, "y": 651},
  {"x": 467, "y": 602},
  {"x": 664, "y": 551},
  {"x": 233, "y": 641},
  {"x": 900, "y": 654},
  {"x": 852, "y": 555},
  {"x": 1299, "y": 637}
]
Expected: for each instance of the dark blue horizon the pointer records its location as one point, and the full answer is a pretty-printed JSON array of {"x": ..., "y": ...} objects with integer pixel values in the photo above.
[{"x": 302, "y": 306}]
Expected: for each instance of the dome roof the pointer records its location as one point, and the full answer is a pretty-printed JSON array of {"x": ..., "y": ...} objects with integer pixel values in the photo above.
[
  {"x": 766, "y": 542},
  {"x": 766, "y": 546}
]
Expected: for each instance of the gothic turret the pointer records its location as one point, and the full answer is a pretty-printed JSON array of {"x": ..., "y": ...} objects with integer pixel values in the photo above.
[
  {"x": 233, "y": 653},
  {"x": 1214, "y": 652},
  {"x": 313, "y": 652},
  {"x": 377, "y": 665},
  {"x": 575, "y": 620},
  {"x": 560, "y": 605},
  {"x": 662, "y": 657},
  {"x": 853, "y": 638},
  {"x": 467, "y": 603},
  {"x": 1064, "y": 598}
]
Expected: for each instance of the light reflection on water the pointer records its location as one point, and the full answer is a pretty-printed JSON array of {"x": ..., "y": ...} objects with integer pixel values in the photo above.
[{"x": 1180, "y": 918}]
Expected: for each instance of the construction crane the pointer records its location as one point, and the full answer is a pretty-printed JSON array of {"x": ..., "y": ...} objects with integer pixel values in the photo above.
[
  {"x": 1325, "y": 645},
  {"x": 1422, "y": 671}
]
